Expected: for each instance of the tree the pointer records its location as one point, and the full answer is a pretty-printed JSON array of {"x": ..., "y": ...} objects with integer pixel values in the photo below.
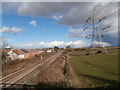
[
  {"x": 68, "y": 48},
  {"x": 4, "y": 43},
  {"x": 4, "y": 56},
  {"x": 56, "y": 48}
]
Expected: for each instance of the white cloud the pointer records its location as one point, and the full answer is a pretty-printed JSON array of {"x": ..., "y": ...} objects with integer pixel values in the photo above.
[
  {"x": 102, "y": 43},
  {"x": 13, "y": 30},
  {"x": 57, "y": 17},
  {"x": 78, "y": 43},
  {"x": 75, "y": 44},
  {"x": 34, "y": 23}
]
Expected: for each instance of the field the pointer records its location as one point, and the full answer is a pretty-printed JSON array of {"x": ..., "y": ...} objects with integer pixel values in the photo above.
[{"x": 100, "y": 70}]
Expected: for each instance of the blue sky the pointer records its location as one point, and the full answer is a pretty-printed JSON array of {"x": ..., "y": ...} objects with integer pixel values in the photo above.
[
  {"x": 45, "y": 24},
  {"x": 46, "y": 30}
]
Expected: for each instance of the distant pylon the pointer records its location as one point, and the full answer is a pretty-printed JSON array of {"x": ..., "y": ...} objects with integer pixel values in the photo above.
[{"x": 96, "y": 39}]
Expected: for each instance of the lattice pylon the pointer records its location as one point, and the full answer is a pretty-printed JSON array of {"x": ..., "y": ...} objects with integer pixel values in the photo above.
[{"x": 96, "y": 41}]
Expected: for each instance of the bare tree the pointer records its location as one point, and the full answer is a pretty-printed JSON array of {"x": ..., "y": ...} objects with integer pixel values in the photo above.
[{"x": 4, "y": 43}]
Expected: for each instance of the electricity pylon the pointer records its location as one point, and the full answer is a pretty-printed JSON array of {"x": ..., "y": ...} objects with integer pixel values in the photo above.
[{"x": 96, "y": 38}]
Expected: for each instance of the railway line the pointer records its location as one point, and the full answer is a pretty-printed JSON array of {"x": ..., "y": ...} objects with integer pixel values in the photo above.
[{"x": 16, "y": 76}]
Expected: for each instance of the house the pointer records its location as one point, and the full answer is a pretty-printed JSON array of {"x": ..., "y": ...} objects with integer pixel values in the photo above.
[
  {"x": 13, "y": 55},
  {"x": 26, "y": 53},
  {"x": 21, "y": 54}
]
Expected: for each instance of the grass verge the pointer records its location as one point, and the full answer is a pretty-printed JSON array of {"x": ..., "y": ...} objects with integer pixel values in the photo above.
[{"x": 100, "y": 70}]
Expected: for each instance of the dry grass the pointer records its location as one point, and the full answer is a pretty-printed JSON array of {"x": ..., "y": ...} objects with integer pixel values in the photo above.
[{"x": 57, "y": 75}]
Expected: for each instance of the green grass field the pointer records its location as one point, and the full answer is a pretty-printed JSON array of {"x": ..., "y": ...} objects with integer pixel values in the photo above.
[{"x": 100, "y": 70}]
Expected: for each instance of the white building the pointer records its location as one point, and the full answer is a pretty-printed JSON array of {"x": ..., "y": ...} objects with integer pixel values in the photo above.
[
  {"x": 16, "y": 54},
  {"x": 13, "y": 55},
  {"x": 21, "y": 56},
  {"x": 49, "y": 51}
]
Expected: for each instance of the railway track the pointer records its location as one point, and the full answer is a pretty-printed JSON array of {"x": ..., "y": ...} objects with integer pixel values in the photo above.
[{"x": 12, "y": 78}]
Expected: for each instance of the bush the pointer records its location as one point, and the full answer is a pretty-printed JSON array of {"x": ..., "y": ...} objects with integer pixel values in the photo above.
[
  {"x": 87, "y": 53},
  {"x": 56, "y": 48},
  {"x": 99, "y": 51},
  {"x": 68, "y": 48}
]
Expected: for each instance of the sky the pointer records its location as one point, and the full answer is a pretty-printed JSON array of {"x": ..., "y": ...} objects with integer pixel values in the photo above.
[{"x": 49, "y": 24}]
